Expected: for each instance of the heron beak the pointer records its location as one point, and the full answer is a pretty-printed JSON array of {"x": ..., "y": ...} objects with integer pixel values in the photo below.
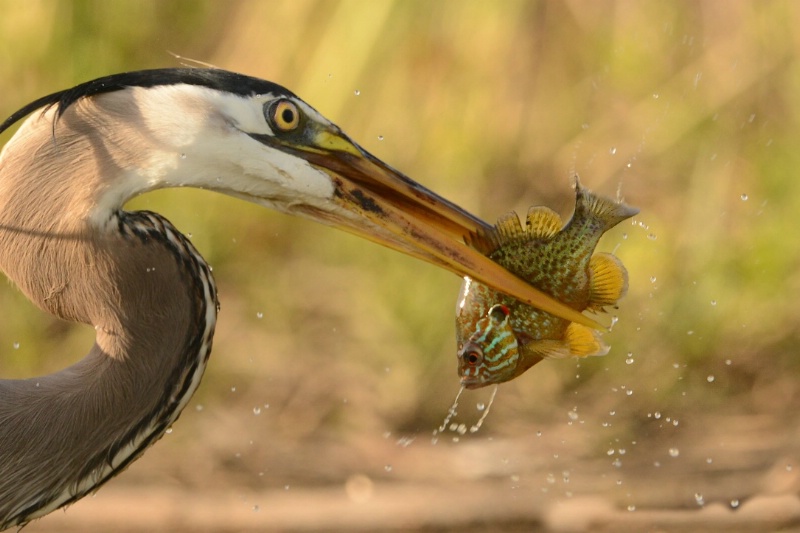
[{"x": 397, "y": 212}]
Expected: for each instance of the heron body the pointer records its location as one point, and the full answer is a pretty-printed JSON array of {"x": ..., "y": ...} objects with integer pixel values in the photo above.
[{"x": 67, "y": 243}]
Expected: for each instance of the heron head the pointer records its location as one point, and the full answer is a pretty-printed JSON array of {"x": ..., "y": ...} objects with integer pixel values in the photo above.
[{"x": 257, "y": 141}]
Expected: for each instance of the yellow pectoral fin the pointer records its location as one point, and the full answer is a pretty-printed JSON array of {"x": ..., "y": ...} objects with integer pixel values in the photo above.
[
  {"x": 546, "y": 349},
  {"x": 583, "y": 341},
  {"x": 543, "y": 222},
  {"x": 608, "y": 280}
]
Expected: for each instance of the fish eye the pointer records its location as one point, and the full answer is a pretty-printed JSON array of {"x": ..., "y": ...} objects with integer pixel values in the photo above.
[
  {"x": 284, "y": 115},
  {"x": 473, "y": 357}
]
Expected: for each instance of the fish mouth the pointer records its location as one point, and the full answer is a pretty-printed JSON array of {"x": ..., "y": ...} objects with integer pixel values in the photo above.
[
  {"x": 474, "y": 382},
  {"x": 379, "y": 203}
]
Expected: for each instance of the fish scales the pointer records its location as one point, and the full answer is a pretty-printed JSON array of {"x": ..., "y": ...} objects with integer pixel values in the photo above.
[{"x": 500, "y": 337}]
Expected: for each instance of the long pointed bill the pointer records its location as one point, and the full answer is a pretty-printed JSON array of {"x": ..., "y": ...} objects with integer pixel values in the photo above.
[{"x": 397, "y": 212}]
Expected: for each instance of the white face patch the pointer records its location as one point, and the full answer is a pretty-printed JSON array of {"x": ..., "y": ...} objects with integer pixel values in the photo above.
[{"x": 193, "y": 136}]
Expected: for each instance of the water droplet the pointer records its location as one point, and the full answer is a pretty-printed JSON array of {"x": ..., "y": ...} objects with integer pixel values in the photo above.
[
  {"x": 657, "y": 415},
  {"x": 652, "y": 279},
  {"x": 629, "y": 361},
  {"x": 256, "y": 410},
  {"x": 480, "y": 406},
  {"x": 699, "y": 499},
  {"x": 168, "y": 431},
  {"x": 652, "y": 236},
  {"x": 631, "y": 508},
  {"x": 233, "y": 389},
  {"x": 550, "y": 478},
  {"x": 16, "y": 346},
  {"x": 612, "y": 150},
  {"x": 612, "y": 413},
  {"x": 710, "y": 379},
  {"x": 617, "y": 463},
  {"x": 674, "y": 452},
  {"x": 380, "y": 137},
  {"x": 788, "y": 468},
  {"x": 734, "y": 503},
  {"x": 610, "y": 451},
  {"x": 728, "y": 362},
  {"x": 183, "y": 156},
  {"x": 198, "y": 407},
  {"x": 713, "y": 303},
  {"x": 629, "y": 392},
  {"x": 744, "y": 197},
  {"x": 286, "y": 487},
  {"x": 357, "y": 92},
  {"x": 388, "y": 468},
  {"x": 256, "y": 508},
  {"x": 259, "y": 315},
  {"x": 655, "y": 96},
  {"x": 572, "y": 415}
]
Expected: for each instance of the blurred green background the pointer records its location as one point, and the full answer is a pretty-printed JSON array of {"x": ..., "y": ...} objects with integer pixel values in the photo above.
[{"x": 334, "y": 360}]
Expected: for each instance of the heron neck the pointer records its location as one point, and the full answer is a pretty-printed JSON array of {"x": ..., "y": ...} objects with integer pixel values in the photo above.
[{"x": 152, "y": 301}]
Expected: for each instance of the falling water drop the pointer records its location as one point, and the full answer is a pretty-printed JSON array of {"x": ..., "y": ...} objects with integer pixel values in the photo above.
[
  {"x": 744, "y": 197},
  {"x": 674, "y": 452},
  {"x": 357, "y": 92}
]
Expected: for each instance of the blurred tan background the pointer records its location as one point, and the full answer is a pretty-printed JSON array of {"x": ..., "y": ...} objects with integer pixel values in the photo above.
[{"x": 334, "y": 360}]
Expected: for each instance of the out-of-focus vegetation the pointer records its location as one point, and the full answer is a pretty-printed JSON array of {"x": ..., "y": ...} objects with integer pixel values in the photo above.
[{"x": 688, "y": 110}]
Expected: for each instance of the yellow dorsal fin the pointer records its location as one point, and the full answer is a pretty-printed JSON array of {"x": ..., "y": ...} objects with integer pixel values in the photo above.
[
  {"x": 608, "y": 280},
  {"x": 543, "y": 222},
  {"x": 507, "y": 229},
  {"x": 583, "y": 341}
]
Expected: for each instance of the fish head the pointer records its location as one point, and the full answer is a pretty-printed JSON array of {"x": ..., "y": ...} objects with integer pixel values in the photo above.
[{"x": 491, "y": 353}]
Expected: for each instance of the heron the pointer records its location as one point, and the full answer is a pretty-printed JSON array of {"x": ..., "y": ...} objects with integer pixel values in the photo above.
[{"x": 69, "y": 245}]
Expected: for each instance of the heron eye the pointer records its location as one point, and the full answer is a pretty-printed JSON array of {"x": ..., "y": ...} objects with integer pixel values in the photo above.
[{"x": 285, "y": 115}]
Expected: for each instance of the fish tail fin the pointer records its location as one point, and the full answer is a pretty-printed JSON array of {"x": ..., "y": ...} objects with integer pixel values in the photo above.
[
  {"x": 609, "y": 212},
  {"x": 608, "y": 280},
  {"x": 543, "y": 222},
  {"x": 583, "y": 341},
  {"x": 508, "y": 229}
]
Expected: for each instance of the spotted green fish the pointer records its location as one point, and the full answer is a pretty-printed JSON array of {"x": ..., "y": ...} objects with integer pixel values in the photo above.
[{"x": 499, "y": 337}]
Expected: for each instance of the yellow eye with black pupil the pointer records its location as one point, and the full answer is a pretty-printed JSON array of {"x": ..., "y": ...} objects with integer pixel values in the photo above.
[{"x": 285, "y": 115}]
